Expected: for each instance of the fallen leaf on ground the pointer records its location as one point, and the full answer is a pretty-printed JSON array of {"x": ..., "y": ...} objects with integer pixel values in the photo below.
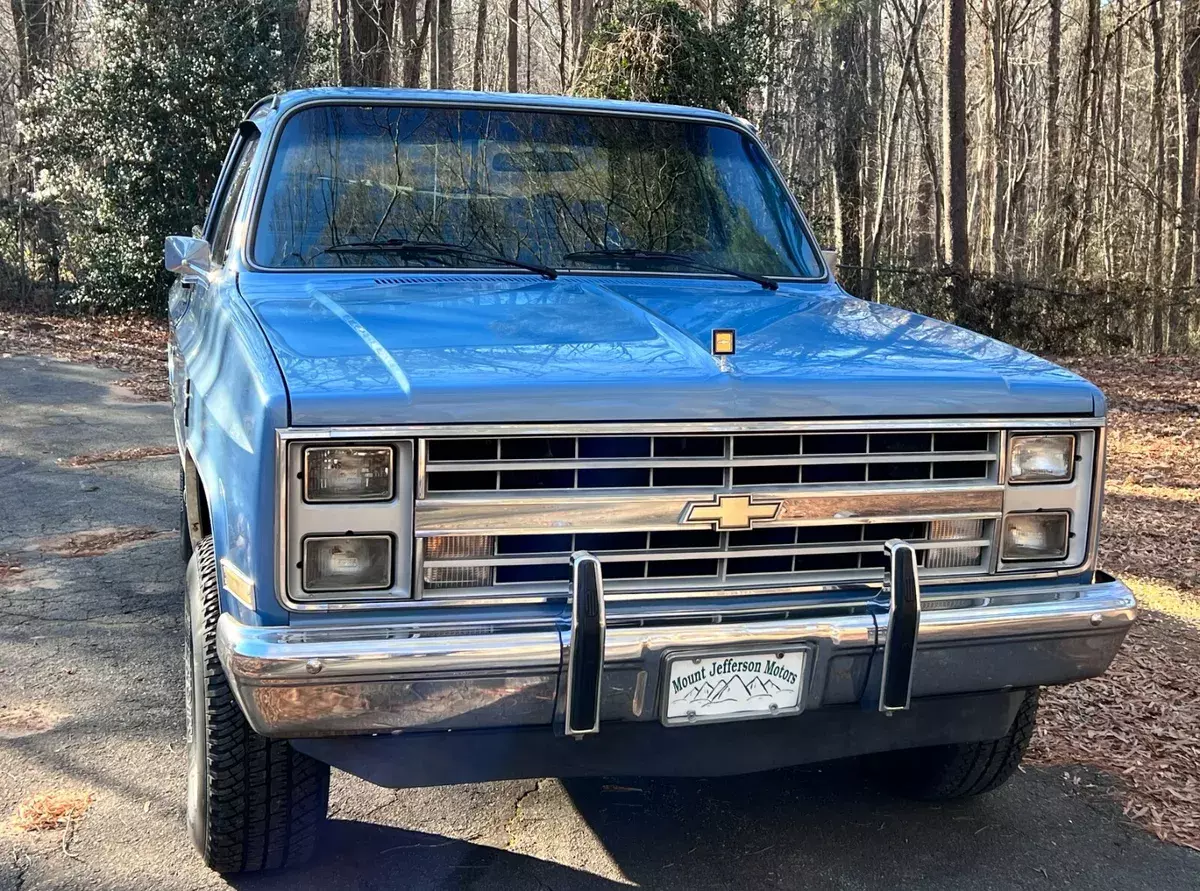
[
  {"x": 94, "y": 542},
  {"x": 51, "y": 810},
  {"x": 119, "y": 455}
]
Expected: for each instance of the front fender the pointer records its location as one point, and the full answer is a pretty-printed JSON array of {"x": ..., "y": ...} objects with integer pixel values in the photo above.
[{"x": 237, "y": 400}]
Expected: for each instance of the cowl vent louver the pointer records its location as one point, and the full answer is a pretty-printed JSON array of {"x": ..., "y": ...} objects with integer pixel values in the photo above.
[{"x": 458, "y": 279}]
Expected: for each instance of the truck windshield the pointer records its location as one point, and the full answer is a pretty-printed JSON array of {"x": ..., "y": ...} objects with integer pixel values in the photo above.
[{"x": 571, "y": 191}]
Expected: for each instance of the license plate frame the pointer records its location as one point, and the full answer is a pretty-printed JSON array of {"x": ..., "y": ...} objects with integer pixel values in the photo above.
[{"x": 797, "y": 658}]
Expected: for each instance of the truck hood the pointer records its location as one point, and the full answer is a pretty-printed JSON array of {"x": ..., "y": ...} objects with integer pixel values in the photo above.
[{"x": 446, "y": 347}]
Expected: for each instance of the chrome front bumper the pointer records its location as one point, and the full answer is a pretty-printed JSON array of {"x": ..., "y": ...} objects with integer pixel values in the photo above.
[{"x": 316, "y": 681}]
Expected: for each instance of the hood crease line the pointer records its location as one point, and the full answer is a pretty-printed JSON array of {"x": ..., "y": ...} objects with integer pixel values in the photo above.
[{"x": 385, "y": 358}]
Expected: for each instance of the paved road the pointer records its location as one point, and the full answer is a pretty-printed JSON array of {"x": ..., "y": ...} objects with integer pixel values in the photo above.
[{"x": 90, "y": 682}]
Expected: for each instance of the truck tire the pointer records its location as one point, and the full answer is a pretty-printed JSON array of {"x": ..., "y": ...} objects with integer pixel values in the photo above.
[
  {"x": 185, "y": 532},
  {"x": 253, "y": 803},
  {"x": 943, "y": 773}
]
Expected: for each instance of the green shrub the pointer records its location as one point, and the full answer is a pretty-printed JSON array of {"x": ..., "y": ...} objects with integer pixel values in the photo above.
[{"x": 127, "y": 149}]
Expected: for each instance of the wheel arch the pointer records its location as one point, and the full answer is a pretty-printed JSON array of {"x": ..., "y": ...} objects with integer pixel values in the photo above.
[{"x": 195, "y": 501}]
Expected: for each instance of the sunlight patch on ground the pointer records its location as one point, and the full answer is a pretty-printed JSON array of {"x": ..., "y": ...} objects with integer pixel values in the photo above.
[
  {"x": 1166, "y": 598},
  {"x": 1171, "y": 493}
]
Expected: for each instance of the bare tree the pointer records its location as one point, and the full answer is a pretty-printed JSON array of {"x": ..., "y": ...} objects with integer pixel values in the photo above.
[
  {"x": 480, "y": 44},
  {"x": 33, "y": 33},
  {"x": 954, "y": 143},
  {"x": 1188, "y": 102},
  {"x": 512, "y": 50},
  {"x": 413, "y": 40},
  {"x": 364, "y": 30}
]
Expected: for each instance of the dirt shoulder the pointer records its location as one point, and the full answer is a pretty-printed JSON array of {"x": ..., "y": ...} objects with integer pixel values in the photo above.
[{"x": 1141, "y": 720}]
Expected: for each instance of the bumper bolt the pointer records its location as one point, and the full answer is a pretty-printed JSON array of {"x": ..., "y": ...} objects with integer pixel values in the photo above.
[
  {"x": 1097, "y": 618},
  {"x": 313, "y": 666}
]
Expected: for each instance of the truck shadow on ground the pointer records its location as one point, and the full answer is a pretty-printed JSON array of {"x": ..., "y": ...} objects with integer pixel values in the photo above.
[{"x": 826, "y": 824}]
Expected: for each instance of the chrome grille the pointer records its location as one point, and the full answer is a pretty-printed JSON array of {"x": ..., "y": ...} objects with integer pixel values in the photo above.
[
  {"x": 694, "y": 559},
  {"x": 732, "y": 462},
  {"x": 500, "y": 515}
]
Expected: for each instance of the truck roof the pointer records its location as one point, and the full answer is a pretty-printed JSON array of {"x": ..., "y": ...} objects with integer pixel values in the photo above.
[{"x": 283, "y": 102}]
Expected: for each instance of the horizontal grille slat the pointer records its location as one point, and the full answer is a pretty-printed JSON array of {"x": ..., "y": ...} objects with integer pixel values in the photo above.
[
  {"x": 631, "y": 556},
  {"x": 734, "y": 461},
  {"x": 760, "y": 461},
  {"x": 628, "y": 498}
]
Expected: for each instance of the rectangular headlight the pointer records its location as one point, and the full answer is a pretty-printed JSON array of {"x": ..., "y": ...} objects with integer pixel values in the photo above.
[
  {"x": 1036, "y": 535},
  {"x": 1044, "y": 458},
  {"x": 347, "y": 562},
  {"x": 348, "y": 473}
]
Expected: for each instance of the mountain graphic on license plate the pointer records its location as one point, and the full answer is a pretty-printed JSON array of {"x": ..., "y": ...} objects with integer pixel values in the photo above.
[{"x": 723, "y": 688}]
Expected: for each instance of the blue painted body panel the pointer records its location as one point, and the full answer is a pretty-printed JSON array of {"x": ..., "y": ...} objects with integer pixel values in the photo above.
[
  {"x": 513, "y": 348},
  {"x": 237, "y": 401},
  {"x": 253, "y": 352}
]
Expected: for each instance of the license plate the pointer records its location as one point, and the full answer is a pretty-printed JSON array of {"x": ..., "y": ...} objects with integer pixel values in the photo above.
[{"x": 733, "y": 688}]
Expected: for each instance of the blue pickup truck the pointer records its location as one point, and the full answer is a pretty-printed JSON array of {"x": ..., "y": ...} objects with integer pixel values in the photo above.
[{"x": 528, "y": 436}]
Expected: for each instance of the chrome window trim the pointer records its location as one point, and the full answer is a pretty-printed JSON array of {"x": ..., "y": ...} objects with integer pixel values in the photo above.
[
  {"x": 418, "y": 432},
  {"x": 249, "y": 234}
]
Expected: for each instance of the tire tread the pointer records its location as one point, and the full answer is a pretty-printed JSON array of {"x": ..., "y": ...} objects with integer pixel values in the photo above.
[
  {"x": 944, "y": 773},
  {"x": 266, "y": 801}
]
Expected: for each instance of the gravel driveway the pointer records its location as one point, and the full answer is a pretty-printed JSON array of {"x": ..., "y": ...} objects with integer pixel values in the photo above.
[{"x": 90, "y": 698}]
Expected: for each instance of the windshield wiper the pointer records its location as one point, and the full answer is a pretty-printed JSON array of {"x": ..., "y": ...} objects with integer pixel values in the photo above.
[
  {"x": 601, "y": 255},
  {"x": 432, "y": 249}
]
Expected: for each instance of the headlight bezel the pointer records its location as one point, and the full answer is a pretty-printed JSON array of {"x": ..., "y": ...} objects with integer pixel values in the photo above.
[
  {"x": 301, "y": 518},
  {"x": 1011, "y": 477},
  {"x": 1081, "y": 495}
]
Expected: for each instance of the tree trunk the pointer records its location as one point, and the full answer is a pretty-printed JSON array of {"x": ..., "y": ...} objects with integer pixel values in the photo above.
[
  {"x": 1050, "y": 165},
  {"x": 512, "y": 50},
  {"x": 954, "y": 163},
  {"x": 1187, "y": 84},
  {"x": 480, "y": 36},
  {"x": 848, "y": 107},
  {"x": 412, "y": 42},
  {"x": 999, "y": 161},
  {"x": 867, "y": 287},
  {"x": 445, "y": 44},
  {"x": 1158, "y": 135},
  {"x": 33, "y": 32}
]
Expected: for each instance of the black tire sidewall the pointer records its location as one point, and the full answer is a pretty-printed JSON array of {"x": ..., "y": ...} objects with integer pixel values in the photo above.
[
  {"x": 185, "y": 532},
  {"x": 197, "y": 713}
]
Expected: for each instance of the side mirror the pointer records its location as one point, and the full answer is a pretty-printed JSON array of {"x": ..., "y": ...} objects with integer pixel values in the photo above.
[
  {"x": 185, "y": 254},
  {"x": 831, "y": 261}
]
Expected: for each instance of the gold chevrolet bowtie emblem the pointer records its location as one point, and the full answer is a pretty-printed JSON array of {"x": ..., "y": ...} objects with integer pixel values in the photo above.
[{"x": 730, "y": 512}]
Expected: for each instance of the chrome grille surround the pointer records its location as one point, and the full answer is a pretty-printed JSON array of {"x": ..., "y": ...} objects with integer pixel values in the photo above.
[{"x": 855, "y": 507}]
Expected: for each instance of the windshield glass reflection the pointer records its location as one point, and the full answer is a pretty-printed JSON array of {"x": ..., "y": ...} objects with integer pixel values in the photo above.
[{"x": 348, "y": 184}]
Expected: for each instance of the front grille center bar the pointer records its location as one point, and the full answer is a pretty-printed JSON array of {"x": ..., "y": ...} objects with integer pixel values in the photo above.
[{"x": 516, "y": 514}]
